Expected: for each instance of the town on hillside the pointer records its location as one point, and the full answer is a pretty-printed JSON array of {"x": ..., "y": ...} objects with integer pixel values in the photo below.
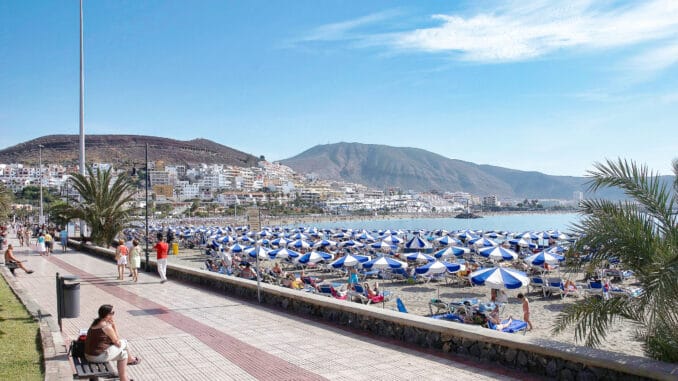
[{"x": 215, "y": 190}]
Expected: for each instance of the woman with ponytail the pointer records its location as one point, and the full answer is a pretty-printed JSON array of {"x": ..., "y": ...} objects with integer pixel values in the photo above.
[{"x": 103, "y": 343}]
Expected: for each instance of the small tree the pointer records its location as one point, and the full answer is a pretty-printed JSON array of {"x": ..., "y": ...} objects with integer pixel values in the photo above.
[{"x": 6, "y": 198}]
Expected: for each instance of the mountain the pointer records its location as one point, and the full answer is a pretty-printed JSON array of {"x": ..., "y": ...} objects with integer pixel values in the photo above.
[
  {"x": 127, "y": 149},
  {"x": 381, "y": 167}
]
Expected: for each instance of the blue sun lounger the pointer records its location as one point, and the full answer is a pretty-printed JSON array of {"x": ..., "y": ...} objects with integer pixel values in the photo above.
[{"x": 515, "y": 326}]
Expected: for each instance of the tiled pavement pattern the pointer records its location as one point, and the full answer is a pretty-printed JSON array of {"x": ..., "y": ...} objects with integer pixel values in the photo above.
[{"x": 185, "y": 333}]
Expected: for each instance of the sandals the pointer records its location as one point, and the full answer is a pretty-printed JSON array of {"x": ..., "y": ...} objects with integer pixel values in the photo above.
[{"x": 134, "y": 361}]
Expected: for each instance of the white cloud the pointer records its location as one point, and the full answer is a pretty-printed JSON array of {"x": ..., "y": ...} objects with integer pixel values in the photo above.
[
  {"x": 518, "y": 33},
  {"x": 523, "y": 30}
]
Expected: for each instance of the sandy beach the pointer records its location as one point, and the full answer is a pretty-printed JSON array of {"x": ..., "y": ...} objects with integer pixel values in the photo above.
[{"x": 416, "y": 297}]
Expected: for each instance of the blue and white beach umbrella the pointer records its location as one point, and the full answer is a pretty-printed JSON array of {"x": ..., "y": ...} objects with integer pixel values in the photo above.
[
  {"x": 483, "y": 242},
  {"x": 417, "y": 243},
  {"x": 498, "y": 253},
  {"x": 260, "y": 251},
  {"x": 283, "y": 253},
  {"x": 437, "y": 267},
  {"x": 351, "y": 243},
  {"x": 420, "y": 258},
  {"x": 314, "y": 257},
  {"x": 450, "y": 251},
  {"x": 281, "y": 242},
  {"x": 237, "y": 248},
  {"x": 448, "y": 241},
  {"x": 325, "y": 243},
  {"x": 349, "y": 261},
  {"x": 392, "y": 239},
  {"x": 299, "y": 244},
  {"x": 382, "y": 263},
  {"x": 500, "y": 277},
  {"x": 543, "y": 257},
  {"x": 227, "y": 239}
]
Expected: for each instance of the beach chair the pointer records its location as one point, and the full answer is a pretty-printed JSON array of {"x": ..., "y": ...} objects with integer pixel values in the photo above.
[
  {"x": 325, "y": 289},
  {"x": 537, "y": 284},
  {"x": 555, "y": 286},
  {"x": 358, "y": 293},
  {"x": 515, "y": 326},
  {"x": 401, "y": 306},
  {"x": 594, "y": 288}
]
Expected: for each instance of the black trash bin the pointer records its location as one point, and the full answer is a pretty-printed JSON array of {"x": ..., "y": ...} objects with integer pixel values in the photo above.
[{"x": 71, "y": 301}]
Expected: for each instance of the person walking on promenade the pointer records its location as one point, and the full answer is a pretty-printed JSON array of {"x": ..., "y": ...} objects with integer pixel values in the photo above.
[
  {"x": 104, "y": 344},
  {"x": 49, "y": 242},
  {"x": 10, "y": 258},
  {"x": 121, "y": 258},
  {"x": 20, "y": 235},
  {"x": 41, "y": 244},
  {"x": 27, "y": 235},
  {"x": 161, "y": 250},
  {"x": 63, "y": 237},
  {"x": 135, "y": 260},
  {"x": 526, "y": 310}
]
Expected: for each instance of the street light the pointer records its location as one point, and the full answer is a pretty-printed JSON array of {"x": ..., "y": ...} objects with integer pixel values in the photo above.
[
  {"x": 147, "y": 266},
  {"x": 42, "y": 217}
]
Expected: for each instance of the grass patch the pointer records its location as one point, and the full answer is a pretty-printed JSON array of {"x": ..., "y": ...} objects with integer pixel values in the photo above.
[{"x": 20, "y": 349}]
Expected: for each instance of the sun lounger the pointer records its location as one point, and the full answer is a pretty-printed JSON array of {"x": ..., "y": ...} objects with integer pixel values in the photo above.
[
  {"x": 515, "y": 326},
  {"x": 449, "y": 317},
  {"x": 555, "y": 286},
  {"x": 537, "y": 284},
  {"x": 594, "y": 288},
  {"x": 401, "y": 306}
]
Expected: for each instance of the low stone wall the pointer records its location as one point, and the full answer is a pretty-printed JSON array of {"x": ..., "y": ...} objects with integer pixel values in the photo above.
[{"x": 534, "y": 355}]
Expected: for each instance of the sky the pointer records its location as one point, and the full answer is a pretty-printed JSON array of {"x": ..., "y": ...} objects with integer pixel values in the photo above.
[{"x": 548, "y": 86}]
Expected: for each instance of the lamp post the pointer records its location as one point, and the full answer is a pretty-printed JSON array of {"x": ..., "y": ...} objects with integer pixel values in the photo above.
[
  {"x": 146, "y": 179},
  {"x": 147, "y": 266},
  {"x": 41, "y": 217}
]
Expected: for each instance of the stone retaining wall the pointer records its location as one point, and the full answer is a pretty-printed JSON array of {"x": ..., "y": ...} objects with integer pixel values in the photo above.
[{"x": 534, "y": 355}]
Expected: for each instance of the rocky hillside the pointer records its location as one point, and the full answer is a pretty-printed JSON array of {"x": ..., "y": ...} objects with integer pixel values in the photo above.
[
  {"x": 126, "y": 149},
  {"x": 383, "y": 166}
]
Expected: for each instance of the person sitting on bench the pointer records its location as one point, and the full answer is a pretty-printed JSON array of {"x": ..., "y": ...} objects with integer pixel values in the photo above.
[
  {"x": 11, "y": 259},
  {"x": 103, "y": 343}
]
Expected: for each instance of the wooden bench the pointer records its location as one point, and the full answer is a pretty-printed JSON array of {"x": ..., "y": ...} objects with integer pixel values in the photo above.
[{"x": 89, "y": 370}]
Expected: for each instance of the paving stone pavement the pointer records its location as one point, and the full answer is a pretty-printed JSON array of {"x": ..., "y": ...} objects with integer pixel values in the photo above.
[{"x": 183, "y": 332}]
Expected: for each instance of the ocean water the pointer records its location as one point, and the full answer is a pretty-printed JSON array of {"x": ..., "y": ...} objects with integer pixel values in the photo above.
[{"x": 508, "y": 222}]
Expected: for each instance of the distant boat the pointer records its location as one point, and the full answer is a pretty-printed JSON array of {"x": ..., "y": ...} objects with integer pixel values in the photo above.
[{"x": 468, "y": 215}]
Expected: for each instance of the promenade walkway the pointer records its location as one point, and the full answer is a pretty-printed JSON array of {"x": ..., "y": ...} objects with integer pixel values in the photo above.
[{"x": 182, "y": 332}]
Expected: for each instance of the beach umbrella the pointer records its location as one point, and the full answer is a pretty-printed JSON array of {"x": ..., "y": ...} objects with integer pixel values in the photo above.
[
  {"x": 365, "y": 236},
  {"x": 260, "y": 251},
  {"x": 237, "y": 248},
  {"x": 280, "y": 242},
  {"x": 498, "y": 253},
  {"x": 558, "y": 235},
  {"x": 341, "y": 235},
  {"x": 349, "y": 261},
  {"x": 482, "y": 242},
  {"x": 467, "y": 235},
  {"x": 450, "y": 251},
  {"x": 420, "y": 258},
  {"x": 227, "y": 239},
  {"x": 437, "y": 267},
  {"x": 299, "y": 236},
  {"x": 264, "y": 242},
  {"x": 264, "y": 233},
  {"x": 500, "y": 277},
  {"x": 447, "y": 241},
  {"x": 417, "y": 243},
  {"x": 283, "y": 253},
  {"x": 325, "y": 243},
  {"x": 246, "y": 239},
  {"x": 299, "y": 244},
  {"x": 556, "y": 249},
  {"x": 383, "y": 263},
  {"x": 519, "y": 242},
  {"x": 392, "y": 239},
  {"x": 543, "y": 257},
  {"x": 351, "y": 243},
  {"x": 314, "y": 257}
]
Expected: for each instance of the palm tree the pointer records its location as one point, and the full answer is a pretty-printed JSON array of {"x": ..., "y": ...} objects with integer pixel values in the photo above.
[
  {"x": 643, "y": 234},
  {"x": 103, "y": 206}
]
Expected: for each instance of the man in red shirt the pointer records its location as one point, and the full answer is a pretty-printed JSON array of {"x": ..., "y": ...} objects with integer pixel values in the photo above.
[{"x": 161, "y": 249}]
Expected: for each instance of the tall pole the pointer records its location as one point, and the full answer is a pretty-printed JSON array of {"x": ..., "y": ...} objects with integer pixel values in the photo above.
[
  {"x": 148, "y": 268},
  {"x": 82, "y": 111},
  {"x": 82, "y": 98},
  {"x": 41, "y": 218}
]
